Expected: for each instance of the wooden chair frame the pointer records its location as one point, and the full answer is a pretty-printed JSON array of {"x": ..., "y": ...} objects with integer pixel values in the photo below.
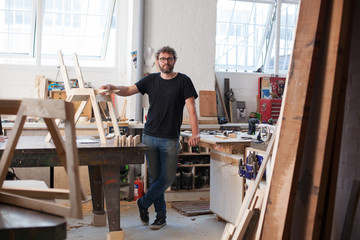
[
  {"x": 67, "y": 151},
  {"x": 85, "y": 94}
]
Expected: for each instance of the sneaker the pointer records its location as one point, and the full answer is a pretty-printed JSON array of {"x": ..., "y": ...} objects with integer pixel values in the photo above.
[
  {"x": 158, "y": 223},
  {"x": 144, "y": 214}
]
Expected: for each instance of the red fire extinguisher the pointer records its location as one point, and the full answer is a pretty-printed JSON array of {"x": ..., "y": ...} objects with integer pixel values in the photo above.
[{"x": 138, "y": 189}]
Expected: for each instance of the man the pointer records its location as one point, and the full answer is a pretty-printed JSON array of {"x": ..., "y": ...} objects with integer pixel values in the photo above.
[{"x": 168, "y": 92}]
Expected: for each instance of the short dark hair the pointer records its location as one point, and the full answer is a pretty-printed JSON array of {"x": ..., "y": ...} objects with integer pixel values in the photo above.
[{"x": 166, "y": 49}]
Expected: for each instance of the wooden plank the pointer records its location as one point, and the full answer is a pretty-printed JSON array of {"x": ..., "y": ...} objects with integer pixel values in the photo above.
[
  {"x": 9, "y": 106},
  {"x": 249, "y": 196},
  {"x": 268, "y": 183},
  {"x": 326, "y": 229},
  {"x": 57, "y": 139},
  {"x": 129, "y": 141},
  {"x": 113, "y": 118},
  {"x": 35, "y": 204},
  {"x": 78, "y": 71},
  {"x": 251, "y": 229},
  {"x": 72, "y": 163},
  {"x": 136, "y": 140},
  {"x": 294, "y": 123},
  {"x": 41, "y": 87},
  {"x": 47, "y": 108},
  {"x": 123, "y": 113},
  {"x": 98, "y": 119},
  {"x": 123, "y": 141},
  {"x": 207, "y": 102},
  {"x": 8, "y": 153},
  {"x": 310, "y": 198},
  {"x": 245, "y": 220},
  {"x": 279, "y": 217},
  {"x": 64, "y": 73},
  {"x": 49, "y": 193},
  {"x": 221, "y": 98}
]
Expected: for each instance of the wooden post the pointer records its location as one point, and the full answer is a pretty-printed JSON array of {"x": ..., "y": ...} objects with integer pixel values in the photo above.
[{"x": 301, "y": 171}]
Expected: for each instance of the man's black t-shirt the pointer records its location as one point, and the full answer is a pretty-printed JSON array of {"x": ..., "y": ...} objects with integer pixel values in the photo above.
[{"x": 167, "y": 100}]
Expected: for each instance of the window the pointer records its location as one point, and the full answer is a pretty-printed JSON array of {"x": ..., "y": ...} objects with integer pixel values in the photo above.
[
  {"x": 287, "y": 37},
  {"x": 16, "y": 27},
  {"x": 38, "y": 29},
  {"x": 245, "y": 32}
]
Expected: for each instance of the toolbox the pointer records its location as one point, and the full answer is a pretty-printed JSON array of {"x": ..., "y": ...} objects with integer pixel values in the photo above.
[{"x": 270, "y": 93}]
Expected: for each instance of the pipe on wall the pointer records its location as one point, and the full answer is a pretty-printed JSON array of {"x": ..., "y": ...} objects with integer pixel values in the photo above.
[
  {"x": 277, "y": 45},
  {"x": 140, "y": 57}
]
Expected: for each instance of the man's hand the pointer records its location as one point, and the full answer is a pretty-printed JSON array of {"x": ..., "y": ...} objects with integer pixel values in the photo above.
[
  {"x": 107, "y": 88},
  {"x": 194, "y": 140}
]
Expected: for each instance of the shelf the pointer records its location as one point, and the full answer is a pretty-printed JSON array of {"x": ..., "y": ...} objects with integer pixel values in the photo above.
[
  {"x": 205, "y": 189},
  {"x": 194, "y": 154},
  {"x": 193, "y": 171},
  {"x": 195, "y": 165}
]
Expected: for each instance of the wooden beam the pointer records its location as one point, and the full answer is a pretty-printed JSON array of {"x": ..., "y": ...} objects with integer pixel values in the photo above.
[
  {"x": 35, "y": 204},
  {"x": 221, "y": 98},
  {"x": 72, "y": 163},
  {"x": 304, "y": 150},
  {"x": 250, "y": 194},
  {"x": 48, "y": 108},
  {"x": 9, "y": 106},
  {"x": 294, "y": 123},
  {"x": 49, "y": 193},
  {"x": 8, "y": 153},
  {"x": 309, "y": 203}
]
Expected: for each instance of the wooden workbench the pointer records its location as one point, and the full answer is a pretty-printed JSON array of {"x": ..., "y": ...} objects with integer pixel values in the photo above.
[
  {"x": 104, "y": 162},
  {"x": 230, "y": 145},
  {"x": 226, "y": 186}
]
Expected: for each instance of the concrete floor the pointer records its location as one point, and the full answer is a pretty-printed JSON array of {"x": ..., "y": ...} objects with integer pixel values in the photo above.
[{"x": 178, "y": 226}]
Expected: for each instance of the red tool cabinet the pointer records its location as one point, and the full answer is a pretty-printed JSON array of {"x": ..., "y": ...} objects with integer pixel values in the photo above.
[{"x": 270, "y": 93}]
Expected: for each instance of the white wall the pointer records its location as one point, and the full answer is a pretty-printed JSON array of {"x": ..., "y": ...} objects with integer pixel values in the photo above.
[{"x": 187, "y": 26}]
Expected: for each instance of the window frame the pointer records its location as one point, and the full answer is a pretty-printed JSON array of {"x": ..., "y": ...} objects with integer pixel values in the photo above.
[
  {"x": 263, "y": 51},
  {"x": 34, "y": 55}
]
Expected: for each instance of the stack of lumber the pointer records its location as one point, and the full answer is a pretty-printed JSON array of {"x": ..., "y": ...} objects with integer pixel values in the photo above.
[{"x": 299, "y": 198}]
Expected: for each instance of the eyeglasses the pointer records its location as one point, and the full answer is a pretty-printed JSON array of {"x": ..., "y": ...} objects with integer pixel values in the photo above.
[{"x": 170, "y": 59}]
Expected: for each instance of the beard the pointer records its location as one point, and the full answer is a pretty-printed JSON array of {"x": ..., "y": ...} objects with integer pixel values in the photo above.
[{"x": 169, "y": 70}]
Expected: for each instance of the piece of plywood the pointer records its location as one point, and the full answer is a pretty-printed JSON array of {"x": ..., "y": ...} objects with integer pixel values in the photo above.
[{"x": 207, "y": 101}]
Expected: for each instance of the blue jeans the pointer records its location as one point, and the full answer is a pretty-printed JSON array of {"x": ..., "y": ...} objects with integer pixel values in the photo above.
[{"x": 161, "y": 158}]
